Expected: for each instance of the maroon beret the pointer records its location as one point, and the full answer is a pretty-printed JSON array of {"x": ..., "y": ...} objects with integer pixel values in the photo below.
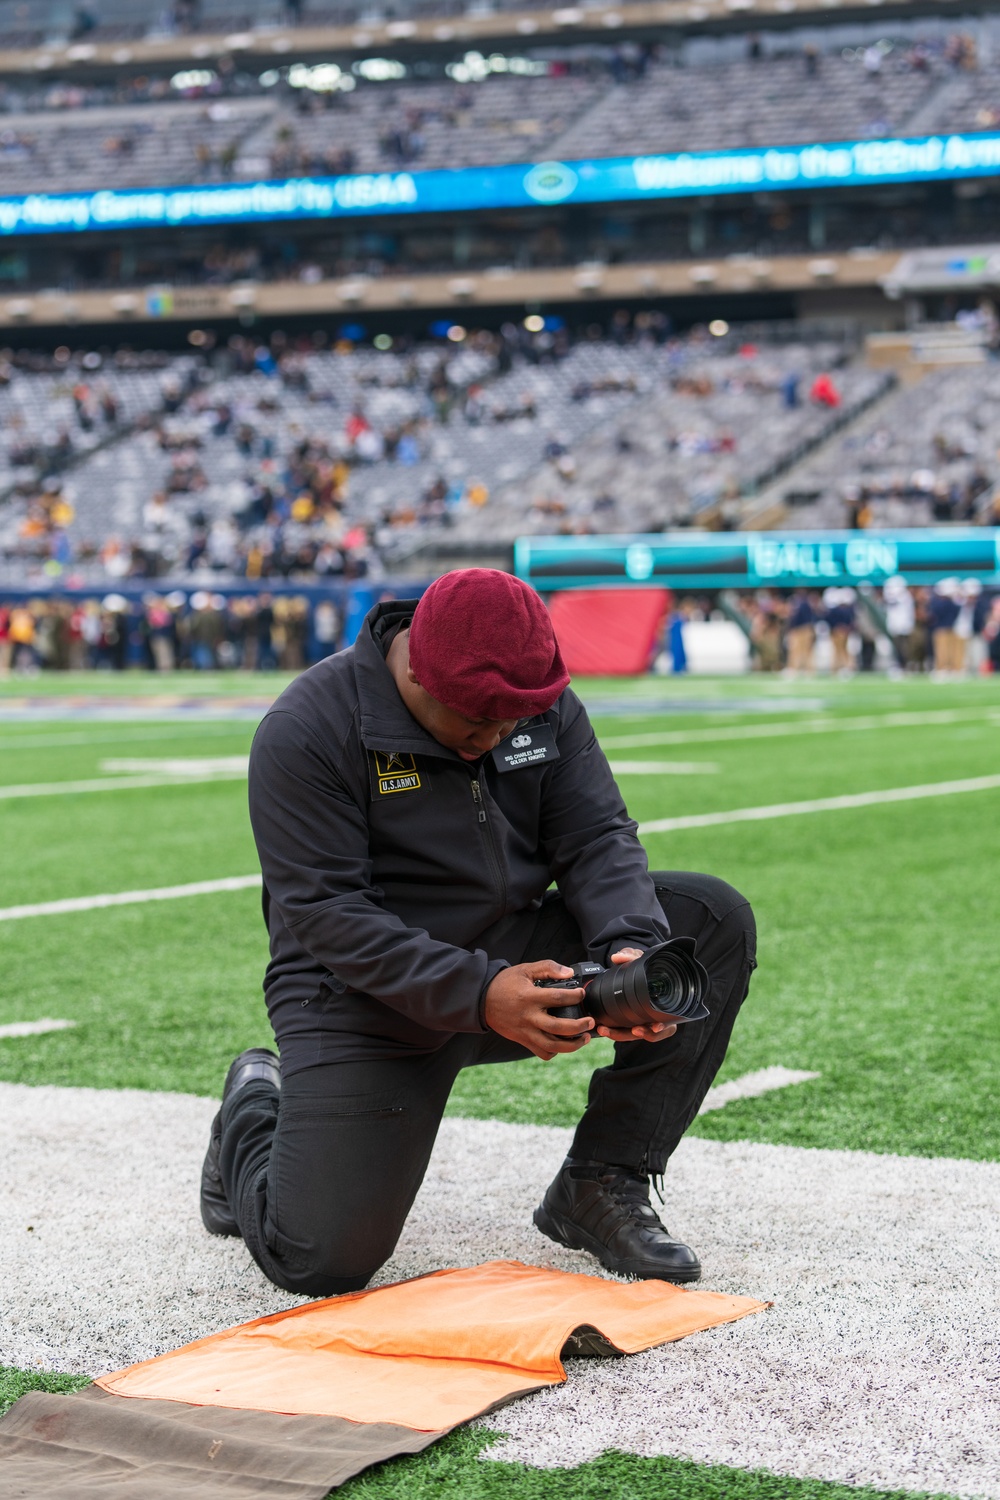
[{"x": 482, "y": 643}]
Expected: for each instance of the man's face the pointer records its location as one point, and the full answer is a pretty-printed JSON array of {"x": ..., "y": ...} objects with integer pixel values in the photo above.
[{"x": 469, "y": 738}]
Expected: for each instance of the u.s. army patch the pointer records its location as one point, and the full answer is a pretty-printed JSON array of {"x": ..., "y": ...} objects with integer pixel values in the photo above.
[{"x": 395, "y": 771}]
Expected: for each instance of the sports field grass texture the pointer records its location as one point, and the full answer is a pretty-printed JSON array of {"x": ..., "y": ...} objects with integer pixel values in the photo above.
[{"x": 877, "y": 939}]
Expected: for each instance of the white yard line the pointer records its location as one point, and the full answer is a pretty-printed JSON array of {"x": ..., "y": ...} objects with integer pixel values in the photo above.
[
  {"x": 876, "y": 1365},
  {"x": 823, "y": 804},
  {"x": 168, "y": 731},
  {"x": 658, "y": 825},
  {"x": 111, "y": 784},
  {"x": 752, "y": 1086},
  {"x": 663, "y": 767},
  {"x": 33, "y": 1028},
  {"x": 129, "y": 898},
  {"x": 195, "y": 767},
  {"x": 799, "y": 726}
]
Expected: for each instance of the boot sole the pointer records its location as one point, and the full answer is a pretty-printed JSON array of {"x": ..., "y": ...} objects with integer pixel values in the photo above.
[
  {"x": 216, "y": 1215},
  {"x": 565, "y": 1232}
]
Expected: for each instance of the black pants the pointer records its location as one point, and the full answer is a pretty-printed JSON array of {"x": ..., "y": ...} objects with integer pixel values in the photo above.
[{"x": 322, "y": 1177}]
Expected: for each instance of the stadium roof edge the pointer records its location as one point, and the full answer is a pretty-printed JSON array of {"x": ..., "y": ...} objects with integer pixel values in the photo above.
[{"x": 276, "y": 45}]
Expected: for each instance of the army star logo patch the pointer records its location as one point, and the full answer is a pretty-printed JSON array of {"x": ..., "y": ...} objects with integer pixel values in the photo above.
[{"x": 395, "y": 772}]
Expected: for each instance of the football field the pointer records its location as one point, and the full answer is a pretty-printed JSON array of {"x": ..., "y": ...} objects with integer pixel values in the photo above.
[{"x": 860, "y": 818}]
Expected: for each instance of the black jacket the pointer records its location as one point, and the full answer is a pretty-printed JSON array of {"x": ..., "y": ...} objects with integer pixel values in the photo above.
[{"x": 386, "y": 858}]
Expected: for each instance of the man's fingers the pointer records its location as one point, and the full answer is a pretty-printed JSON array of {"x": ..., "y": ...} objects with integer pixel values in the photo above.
[
  {"x": 545, "y": 968},
  {"x": 563, "y": 1025},
  {"x": 553, "y": 1045},
  {"x": 656, "y": 1033},
  {"x": 558, "y": 999}
]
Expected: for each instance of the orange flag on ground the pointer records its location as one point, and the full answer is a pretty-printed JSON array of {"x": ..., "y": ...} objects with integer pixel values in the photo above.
[{"x": 428, "y": 1353}]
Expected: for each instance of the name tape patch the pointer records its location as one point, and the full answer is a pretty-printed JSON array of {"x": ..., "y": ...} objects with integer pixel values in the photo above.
[
  {"x": 526, "y": 747},
  {"x": 395, "y": 772}
]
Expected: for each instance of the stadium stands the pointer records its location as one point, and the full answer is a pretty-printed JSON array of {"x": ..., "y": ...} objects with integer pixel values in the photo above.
[
  {"x": 584, "y": 107},
  {"x": 928, "y": 455},
  {"x": 760, "y": 102},
  {"x": 127, "y": 20},
  {"x": 709, "y": 434},
  {"x": 138, "y": 147},
  {"x": 329, "y": 464},
  {"x": 425, "y": 126},
  {"x": 49, "y": 420}
]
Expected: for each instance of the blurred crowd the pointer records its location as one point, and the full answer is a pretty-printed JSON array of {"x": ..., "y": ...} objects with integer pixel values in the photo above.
[
  {"x": 950, "y": 630},
  {"x": 202, "y": 631}
]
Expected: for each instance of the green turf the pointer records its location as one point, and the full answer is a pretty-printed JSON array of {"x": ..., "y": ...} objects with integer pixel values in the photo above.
[
  {"x": 454, "y": 1467},
  {"x": 876, "y": 964},
  {"x": 16, "y": 1383},
  {"x": 126, "y": 684}
]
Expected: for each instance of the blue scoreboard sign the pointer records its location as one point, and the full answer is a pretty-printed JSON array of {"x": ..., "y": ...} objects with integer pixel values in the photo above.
[
  {"x": 680, "y": 174},
  {"x": 755, "y": 559}
]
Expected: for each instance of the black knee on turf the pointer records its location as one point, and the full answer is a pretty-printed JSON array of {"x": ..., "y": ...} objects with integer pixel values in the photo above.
[
  {"x": 717, "y": 896},
  {"x": 319, "y": 1282},
  {"x": 712, "y": 911}
]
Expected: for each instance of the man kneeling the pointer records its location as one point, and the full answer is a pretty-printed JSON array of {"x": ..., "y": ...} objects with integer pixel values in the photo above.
[{"x": 413, "y": 800}]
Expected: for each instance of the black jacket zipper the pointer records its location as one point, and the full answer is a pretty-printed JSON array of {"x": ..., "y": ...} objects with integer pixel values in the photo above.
[{"x": 494, "y": 863}]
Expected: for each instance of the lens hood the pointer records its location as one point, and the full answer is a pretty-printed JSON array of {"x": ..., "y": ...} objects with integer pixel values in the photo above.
[{"x": 666, "y": 984}]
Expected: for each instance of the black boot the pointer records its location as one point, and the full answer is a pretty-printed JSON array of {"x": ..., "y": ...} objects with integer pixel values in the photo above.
[
  {"x": 216, "y": 1214},
  {"x": 606, "y": 1210}
]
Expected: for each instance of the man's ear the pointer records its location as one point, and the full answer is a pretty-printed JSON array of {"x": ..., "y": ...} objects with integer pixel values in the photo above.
[{"x": 412, "y": 677}]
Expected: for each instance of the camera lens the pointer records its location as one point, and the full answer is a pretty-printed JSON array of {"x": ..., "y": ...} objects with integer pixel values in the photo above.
[
  {"x": 670, "y": 981},
  {"x": 666, "y": 981}
]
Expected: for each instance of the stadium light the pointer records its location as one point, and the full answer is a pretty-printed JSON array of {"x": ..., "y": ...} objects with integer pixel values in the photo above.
[
  {"x": 533, "y": 323},
  {"x": 718, "y": 328},
  {"x": 474, "y": 67},
  {"x": 379, "y": 69},
  {"x": 456, "y": 333},
  {"x": 321, "y": 78},
  {"x": 193, "y": 78}
]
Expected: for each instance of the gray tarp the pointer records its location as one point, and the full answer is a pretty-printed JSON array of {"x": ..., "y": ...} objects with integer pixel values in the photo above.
[{"x": 91, "y": 1445}]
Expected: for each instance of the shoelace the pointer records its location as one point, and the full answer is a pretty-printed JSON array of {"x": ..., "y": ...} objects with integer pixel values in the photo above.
[{"x": 631, "y": 1189}]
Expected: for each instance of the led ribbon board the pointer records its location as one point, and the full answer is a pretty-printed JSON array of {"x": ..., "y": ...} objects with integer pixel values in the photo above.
[
  {"x": 783, "y": 559},
  {"x": 607, "y": 180}
]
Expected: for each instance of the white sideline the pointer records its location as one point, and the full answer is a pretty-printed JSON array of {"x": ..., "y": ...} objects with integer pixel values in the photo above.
[
  {"x": 186, "y": 766},
  {"x": 823, "y": 804},
  {"x": 129, "y": 898},
  {"x": 912, "y": 720},
  {"x": 752, "y": 1086},
  {"x": 109, "y": 784},
  {"x": 663, "y": 767},
  {"x": 33, "y": 1028},
  {"x": 659, "y": 825}
]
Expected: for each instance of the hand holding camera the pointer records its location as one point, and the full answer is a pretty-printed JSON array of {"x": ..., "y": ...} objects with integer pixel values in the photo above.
[
  {"x": 642, "y": 997},
  {"x": 657, "y": 1031},
  {"x": 642, "y": 994},
  {"x": 517, "y": 1008}
]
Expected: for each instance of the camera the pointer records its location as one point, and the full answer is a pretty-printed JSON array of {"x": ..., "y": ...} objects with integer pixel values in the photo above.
[{"x": 666, "y": 984}]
